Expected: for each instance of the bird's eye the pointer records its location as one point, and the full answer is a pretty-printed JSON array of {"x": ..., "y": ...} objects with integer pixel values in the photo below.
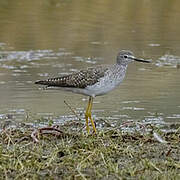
[{"x": 125, "y": 56}]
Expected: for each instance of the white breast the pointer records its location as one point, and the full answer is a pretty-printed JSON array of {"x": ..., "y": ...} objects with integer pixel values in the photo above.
[{"x": 112, "y": 79}]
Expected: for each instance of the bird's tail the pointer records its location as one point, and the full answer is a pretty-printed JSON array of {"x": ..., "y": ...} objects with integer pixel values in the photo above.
[
  {"x": 44, "y": 82},
  {"x": 41, "y": 82},
  {"x": 51, "y": 82}
]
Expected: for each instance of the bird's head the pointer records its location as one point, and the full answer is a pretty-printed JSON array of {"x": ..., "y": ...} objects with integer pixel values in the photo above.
[{"x": 124, "y": 57}]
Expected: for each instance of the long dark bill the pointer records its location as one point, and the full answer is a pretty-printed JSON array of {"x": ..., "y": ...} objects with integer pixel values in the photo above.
[{"x": 141, "y": 60}]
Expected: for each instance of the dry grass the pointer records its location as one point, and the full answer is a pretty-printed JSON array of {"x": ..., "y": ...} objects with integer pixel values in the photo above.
[{"x": 111, "y": 154}]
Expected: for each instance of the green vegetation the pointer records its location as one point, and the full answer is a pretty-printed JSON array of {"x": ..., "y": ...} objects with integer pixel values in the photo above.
[{"x": 70, "y": 154}]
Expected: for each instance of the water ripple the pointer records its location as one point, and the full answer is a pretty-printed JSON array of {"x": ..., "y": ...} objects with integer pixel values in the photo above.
[
  {"x": 31, "y": 55},
  {"x": 169, "y": 60}
]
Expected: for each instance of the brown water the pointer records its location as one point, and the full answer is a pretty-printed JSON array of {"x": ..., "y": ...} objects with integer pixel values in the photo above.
[{"x": 46, "y": 38}]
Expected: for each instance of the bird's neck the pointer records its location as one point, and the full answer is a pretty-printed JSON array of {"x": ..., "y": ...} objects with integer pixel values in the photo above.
[{"x": 123, "y": 65}]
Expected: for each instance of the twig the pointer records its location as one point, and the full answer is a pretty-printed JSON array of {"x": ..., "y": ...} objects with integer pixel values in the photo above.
[
  {"x": 72, "y": 110},
  {"x": 34, "y": 135},
  {"x": 169, "y": 151},
  {"x": 46, "y": 130},
  {"x": 57, "y": 131}
]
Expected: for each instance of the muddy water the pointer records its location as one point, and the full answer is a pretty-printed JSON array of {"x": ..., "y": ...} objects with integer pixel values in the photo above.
[{"x": 40, "y": 39}]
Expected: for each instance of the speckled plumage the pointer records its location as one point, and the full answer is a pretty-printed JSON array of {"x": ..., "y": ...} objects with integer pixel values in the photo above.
[
  {"x": 94, "y": 81},
  {"x": 80, "y": 79}
]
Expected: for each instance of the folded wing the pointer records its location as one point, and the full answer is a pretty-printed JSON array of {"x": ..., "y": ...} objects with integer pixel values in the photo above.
[{"x": 80, "y": 79}]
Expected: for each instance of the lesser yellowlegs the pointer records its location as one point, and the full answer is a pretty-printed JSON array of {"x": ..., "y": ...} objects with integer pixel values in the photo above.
[{"x": 94, "y": 81}]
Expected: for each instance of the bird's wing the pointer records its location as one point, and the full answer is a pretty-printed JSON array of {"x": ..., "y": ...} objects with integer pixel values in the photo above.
[{"x": 80, "y": 79}]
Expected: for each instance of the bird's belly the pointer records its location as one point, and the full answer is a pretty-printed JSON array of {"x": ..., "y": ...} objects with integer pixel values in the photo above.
[
  {"x": 100, "y": 91},
  {"x": 102, "y": 88}
]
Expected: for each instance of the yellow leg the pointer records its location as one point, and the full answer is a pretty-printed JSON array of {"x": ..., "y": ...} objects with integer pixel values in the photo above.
[
  {"x": 90, "y": 108},
  {"x": 86, "y": 116}
]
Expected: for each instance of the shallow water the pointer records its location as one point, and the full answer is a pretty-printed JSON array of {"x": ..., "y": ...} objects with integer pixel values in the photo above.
[{"x": 41, "y": 39}]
